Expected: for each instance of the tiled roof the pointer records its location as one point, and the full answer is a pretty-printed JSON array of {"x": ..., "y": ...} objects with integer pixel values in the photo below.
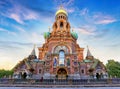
[
  {"x": 96, "y": 61},
  {"x": 28, "y": 64}
]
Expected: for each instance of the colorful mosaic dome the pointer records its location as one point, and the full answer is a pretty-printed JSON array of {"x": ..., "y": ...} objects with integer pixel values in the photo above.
[
  {"x": 46, "y": 35},
  {"x": 75, "y": 35}
]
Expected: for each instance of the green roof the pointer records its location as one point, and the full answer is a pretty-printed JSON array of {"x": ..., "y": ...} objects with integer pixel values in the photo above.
[
  {"x": 81, "y": 63},
  {"x": 95, "y": 63},
  {"x": 46, "y": 35},
  {"x": 75, "y": 35},
  {"x": 87, "y": 60}
]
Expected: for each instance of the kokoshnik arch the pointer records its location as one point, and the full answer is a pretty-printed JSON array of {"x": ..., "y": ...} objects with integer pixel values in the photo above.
[{"x": 60, "y": 56}]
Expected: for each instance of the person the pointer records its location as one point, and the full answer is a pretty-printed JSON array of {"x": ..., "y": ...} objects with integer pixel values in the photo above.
[
  {"x": 55, "y": 62},
  {"x": 68, "y": 62},
  {"x": 41, "y": 79}
]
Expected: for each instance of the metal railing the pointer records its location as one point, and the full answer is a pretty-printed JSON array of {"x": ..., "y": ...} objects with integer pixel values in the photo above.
[{"x": 59, "y": 81}]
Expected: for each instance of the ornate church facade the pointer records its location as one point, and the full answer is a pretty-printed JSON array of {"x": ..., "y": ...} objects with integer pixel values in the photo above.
[{"x": 60, "y": 56}]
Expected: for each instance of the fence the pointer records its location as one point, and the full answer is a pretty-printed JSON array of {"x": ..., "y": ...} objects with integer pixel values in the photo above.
[{"x": 59, "y": 81}]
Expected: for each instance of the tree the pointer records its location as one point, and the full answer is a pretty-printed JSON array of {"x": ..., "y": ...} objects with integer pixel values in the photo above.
[
  {"x": 6, "y": 73},
  {"x": 113, "y": 68}
]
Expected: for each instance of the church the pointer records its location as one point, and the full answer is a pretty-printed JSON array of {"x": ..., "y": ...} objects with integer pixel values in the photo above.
[{"x": 60, "y": 57}]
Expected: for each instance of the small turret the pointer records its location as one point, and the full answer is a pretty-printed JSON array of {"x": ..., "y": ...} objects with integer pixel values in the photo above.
[
  {"x": 89, "y": 55},
  {"x": 33, "y": 54}
]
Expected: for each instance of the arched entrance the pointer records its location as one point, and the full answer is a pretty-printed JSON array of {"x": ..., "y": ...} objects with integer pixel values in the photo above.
[
  {"x": 62, "y": 73},
  {"x": 24, "y": 75}
]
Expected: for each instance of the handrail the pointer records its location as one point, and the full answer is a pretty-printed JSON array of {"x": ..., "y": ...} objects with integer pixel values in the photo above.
[{"x": 60, "y": 81}]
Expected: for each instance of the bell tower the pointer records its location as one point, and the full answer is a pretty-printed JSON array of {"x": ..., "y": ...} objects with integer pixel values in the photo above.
[
  {"x": 61, "y": 23},
  {"x": 61, "y": 37}
]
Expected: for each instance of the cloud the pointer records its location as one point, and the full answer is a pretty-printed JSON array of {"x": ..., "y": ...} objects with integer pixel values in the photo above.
[
  {"x": 101, "y": 33},
  {"x": 13, "y": 45},
  {"x": 14, "y": 42},
  {"x": 93, "y": 33},
  {"x": 22, "y": 15},
  {"x": 95, "y": 18},
  {"x": 105, "y": 21},
  {"x": 12, "y": 52},
  {"x": 113, "y": 45},
  {"x": 70, "y": 10},
  {"x": 19, "y": 28},
  {"x": 19, "y": 13},
  {"x": 16, "y": 17},
  {"x": 100, "y": 18},
  {"x": 84, "y": 11},
  {"x": 34, "y": 37},
  {"x": 86, "y": 30},
  {"x": 67, "y": 4},
  {"x": 9, "y": 32}
]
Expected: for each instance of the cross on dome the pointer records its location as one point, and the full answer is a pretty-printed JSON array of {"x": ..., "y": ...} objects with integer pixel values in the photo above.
[{"x": 61, "y": 10}]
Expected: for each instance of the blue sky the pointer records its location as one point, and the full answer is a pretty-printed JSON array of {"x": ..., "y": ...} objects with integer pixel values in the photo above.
[{"x": 23, "y": 22}]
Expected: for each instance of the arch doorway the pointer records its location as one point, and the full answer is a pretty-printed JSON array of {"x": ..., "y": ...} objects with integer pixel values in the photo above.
[
  {"x": 24, "y": 75},
  {"x": 62, "y": 73}
]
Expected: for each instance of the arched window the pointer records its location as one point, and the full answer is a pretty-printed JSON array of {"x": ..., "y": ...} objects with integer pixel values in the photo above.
[
  {"x": 61, "y": 24},
  {"x": 59, "y": 17},
  {"x": 40, "y": 71},
  {"x": 61, "y": 57},
  {"x": 82, "y": 71}
]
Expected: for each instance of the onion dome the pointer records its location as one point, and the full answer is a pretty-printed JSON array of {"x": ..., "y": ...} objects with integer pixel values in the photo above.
[
  {"x": 61, "y": 10},
  {"x": 46, "y": 35},
  {"x": 74, "y": 35}
]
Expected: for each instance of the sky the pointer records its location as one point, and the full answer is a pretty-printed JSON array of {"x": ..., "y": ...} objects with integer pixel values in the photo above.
[{"x": 23, "y": 22}]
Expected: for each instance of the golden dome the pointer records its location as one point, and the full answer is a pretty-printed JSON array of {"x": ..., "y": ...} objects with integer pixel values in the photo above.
[{"x": 61, "y": 11}]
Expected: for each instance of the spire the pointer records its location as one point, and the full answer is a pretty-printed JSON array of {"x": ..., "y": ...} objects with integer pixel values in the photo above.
[
  {"x": 89, "y": 55},
  {"x": 61, "y": 7},
  {"x": 61, "y": 10},
  {"x": 33, "y": 54},
  {"x": 33, "y": 51},
  {"x": 88, "y": 52}
]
